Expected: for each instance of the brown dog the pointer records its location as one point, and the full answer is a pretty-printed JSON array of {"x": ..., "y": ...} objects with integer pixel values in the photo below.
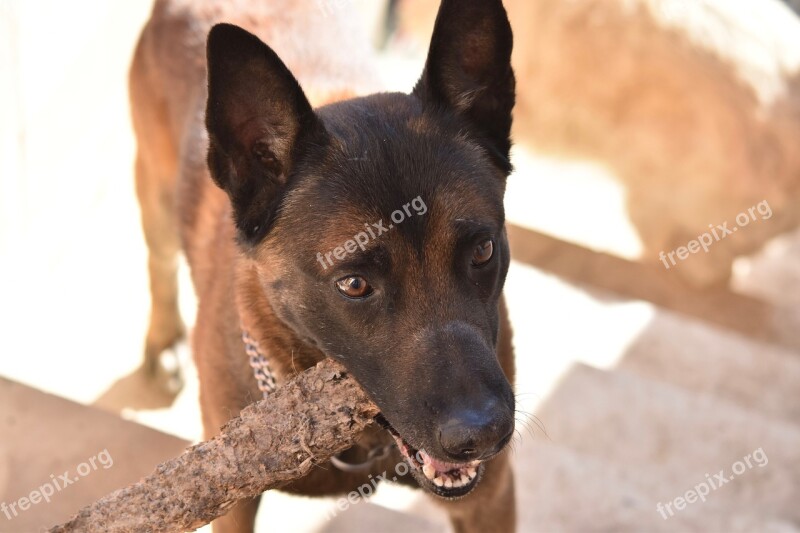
[{"x": 369, "y": 230}]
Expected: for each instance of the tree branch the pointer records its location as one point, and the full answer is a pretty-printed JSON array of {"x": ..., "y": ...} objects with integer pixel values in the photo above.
[{"x": 271, "y": 442}]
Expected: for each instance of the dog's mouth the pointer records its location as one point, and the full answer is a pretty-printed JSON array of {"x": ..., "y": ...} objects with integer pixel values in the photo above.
[{"x": 447, "y": 480}]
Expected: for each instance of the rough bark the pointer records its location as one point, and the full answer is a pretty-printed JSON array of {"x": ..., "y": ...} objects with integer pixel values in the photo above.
[{"x": 271, "y": 442}]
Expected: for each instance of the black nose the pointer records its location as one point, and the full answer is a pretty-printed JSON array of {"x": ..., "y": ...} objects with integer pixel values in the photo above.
[{"x": 469, "y": 434}]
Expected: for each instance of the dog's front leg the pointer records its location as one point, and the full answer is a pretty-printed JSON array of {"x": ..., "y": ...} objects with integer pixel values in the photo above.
[
  {"x": 240, "y": 519},
  {"x": 491, "y": 507}
]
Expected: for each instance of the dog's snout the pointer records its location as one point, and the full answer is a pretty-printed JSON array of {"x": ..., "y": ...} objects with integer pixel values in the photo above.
[{"x": 469, "y": 434}]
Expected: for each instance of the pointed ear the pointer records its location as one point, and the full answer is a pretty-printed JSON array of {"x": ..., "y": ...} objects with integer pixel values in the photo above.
[
  {"x": 258, "y": 120},
  {"x": 469, "y": 68}
]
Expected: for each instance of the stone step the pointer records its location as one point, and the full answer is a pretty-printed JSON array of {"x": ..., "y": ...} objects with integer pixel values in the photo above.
[
  {"x": 73, "y": 453},
  {"x": 568, "y": 491},
  {"x": 671, "y": 440},
  {"x": 710, "y": 360}
]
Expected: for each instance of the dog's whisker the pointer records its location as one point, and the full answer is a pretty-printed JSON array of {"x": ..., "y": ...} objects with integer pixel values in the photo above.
[
  {"x": 525, "y": 424},
  {"x": 521, "y": 394},
  {"x": 513, "y": 446},
  {"x": 530, "y": 417},
  {"x": 540, "y": 425}
]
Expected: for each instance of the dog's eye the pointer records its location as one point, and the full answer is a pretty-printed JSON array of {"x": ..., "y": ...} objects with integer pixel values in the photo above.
[
  {"x": 483, "y": 253},
  {"x": 354, "y": 287}
]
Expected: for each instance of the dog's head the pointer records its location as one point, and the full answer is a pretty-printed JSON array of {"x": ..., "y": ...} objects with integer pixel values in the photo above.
[{"x": 377, "y": 227}]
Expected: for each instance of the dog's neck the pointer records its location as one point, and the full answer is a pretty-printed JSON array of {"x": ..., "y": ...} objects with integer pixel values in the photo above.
[{"x": 286, "y": 352}]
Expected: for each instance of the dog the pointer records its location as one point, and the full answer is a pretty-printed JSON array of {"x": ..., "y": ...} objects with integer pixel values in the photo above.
[{"x": 370, "y": 230}]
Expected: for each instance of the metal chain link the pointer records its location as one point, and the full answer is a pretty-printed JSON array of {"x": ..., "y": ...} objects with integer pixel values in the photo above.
[{"x": 267, "y": 385}]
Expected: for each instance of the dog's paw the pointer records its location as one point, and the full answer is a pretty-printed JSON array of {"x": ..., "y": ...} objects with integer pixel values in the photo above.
[{"x": 165, "y": 367}]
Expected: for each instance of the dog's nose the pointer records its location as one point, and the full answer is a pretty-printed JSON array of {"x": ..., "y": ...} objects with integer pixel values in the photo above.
[{"x": 469, "y": 434}]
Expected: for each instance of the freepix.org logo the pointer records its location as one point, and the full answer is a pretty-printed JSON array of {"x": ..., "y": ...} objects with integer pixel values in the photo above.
[
  {"x": 717, "y": 233},
  {"x": 373, "y": 231},
  {"x": 757, "y": 458},
  {"x": 56, "y": 484}
]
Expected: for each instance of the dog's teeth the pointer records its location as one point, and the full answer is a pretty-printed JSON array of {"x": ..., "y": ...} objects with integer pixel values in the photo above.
[
  {"x": 465, "y": 479},
  {"x": 471, "y": 473},
  {"x": 429, "y": 471},
  {"x": 438, "y": 481},
  {"x": 448, "y": 483}
]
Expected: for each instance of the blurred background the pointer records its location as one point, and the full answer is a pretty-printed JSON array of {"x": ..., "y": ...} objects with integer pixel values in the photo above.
[{"x": 641, "y": 125}]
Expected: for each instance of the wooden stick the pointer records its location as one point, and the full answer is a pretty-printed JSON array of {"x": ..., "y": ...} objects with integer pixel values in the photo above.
[{"x": 271, "y": 442}]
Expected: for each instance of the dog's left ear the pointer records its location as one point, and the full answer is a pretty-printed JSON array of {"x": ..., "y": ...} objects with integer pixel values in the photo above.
[
  {"x": 259, "y": 122},
  {"x": 469, "y": 69}
]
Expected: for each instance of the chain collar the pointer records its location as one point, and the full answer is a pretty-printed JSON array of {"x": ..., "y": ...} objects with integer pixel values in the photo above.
[
  {"x": 267, "y": 385},
  {"x": 258, "y": 361}
]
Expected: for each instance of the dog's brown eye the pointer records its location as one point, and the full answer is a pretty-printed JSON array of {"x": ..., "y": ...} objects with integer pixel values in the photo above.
[
  {"x": 483, "y": 253},
  {"x": 354, "y": 287}
]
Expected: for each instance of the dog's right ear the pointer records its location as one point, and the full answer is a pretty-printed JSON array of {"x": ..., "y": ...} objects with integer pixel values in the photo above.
[
  {"x": 257, "y": 119},
  {"x": 469, "y": 69}
]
